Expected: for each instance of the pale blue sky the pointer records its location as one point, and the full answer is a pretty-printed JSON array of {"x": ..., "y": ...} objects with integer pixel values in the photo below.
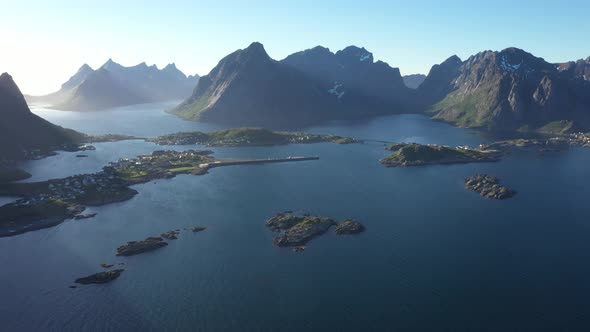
[{"x": 44, "y": 42}]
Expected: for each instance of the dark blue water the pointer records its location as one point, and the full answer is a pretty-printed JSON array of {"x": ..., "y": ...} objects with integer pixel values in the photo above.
[{"x": 435, "y": 257}]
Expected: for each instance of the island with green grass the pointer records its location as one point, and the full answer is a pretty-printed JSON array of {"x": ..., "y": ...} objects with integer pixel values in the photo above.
[
  {"x": 414, "y": 154},
  {"x": 247, "y": 137}
]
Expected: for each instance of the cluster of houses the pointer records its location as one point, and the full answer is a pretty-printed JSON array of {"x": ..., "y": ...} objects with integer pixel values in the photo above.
[
  {"x": 158, "y": 160},
  {"x": 71, "y": 188},
  {"x": 581, "y": 139}
]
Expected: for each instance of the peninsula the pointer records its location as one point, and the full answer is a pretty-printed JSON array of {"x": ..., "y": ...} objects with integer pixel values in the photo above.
[{"x": 48, "y": 203}]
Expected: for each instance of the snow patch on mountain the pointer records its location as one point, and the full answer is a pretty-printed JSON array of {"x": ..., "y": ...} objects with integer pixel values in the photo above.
[
  {"x": 335, "y": 90},
  {"x": 507, "y": 66}
]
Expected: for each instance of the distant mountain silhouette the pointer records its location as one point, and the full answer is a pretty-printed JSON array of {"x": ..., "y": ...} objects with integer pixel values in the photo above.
[
  {"x": 114, "y": 85},
  {"x": 414, "y": 81},
  {"x": 247, "y": 87},
  {"x": 22, "y": 130}
]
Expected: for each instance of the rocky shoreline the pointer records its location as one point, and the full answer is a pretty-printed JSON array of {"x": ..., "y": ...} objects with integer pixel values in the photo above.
[{"x": 488, "y": 186}]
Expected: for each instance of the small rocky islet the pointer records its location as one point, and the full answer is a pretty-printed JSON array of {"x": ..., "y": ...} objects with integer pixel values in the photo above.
[
  {"x": 137, "y": 247},
  {"x": 170, "y": 235},
  {"x": 488, "y": 186},
  {"x": 196, "y": 229},
  {"x": 132, "y": 248},
  {"x": 100, "y": 277},
  {"x": 298, "y": 229},
  {"x": 153, "y": 242},
  {"x": 349, "y": 227}
]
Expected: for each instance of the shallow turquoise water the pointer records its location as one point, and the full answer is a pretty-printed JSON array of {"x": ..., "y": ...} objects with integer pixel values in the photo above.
[{"x": 435, "y": 257}]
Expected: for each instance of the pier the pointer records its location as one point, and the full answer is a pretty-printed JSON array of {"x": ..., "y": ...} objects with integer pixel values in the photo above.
[{"x": 220, "y": 163}]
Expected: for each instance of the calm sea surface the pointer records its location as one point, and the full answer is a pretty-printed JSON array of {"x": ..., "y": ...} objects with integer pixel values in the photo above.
[{"x": 435, "y": 257}]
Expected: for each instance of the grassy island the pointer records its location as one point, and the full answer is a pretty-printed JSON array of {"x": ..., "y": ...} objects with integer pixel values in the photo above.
[
  {"x": 413, "y": 154},
  {"x": 247, "y": 137}
]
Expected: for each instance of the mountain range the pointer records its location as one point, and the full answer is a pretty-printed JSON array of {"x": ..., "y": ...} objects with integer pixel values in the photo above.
[
  {"x": 114, "y": 85},
  {"x": 509, "y": 90},
  {"x": 21, "y": 130},
  {"x": 248, "y": 87}
]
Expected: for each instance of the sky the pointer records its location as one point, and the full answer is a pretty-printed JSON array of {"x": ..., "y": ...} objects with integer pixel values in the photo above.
[{"x": 45, "y": 42}]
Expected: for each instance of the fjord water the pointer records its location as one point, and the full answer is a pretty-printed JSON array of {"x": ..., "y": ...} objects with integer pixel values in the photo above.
[{"x": 435, "y": 257}]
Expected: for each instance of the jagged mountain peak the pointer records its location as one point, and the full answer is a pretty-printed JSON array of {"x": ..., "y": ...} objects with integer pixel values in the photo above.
[
  {"x": 6, "y": 80},
  {"x": 251, "y": 57},
  {"x": 10, "y": 91},
  {"x": 20, "y": 129},
  {"x": 111, "y": 65},
  {"x": 85, "y": 68},
  {"x": 355, "y": 52},
  {"x": 82, "y": 73},
  {"x": 319, "y": 49},
  {"x": 453, "y": 60},
  {"x": 170, "y": 66},
  {"x": 256, "y": 48}
]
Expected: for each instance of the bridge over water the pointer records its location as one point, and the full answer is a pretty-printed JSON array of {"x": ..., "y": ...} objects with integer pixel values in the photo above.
[{"x": 230, "y": 162}]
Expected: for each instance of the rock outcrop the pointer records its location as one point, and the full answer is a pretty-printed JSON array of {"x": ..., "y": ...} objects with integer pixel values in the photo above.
[{"x": 488, "y": 186}]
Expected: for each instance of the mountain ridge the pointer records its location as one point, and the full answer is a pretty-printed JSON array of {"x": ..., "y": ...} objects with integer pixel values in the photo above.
[
  {"x": 248, "y": 87},
  {"x": 113, "y": 85}
]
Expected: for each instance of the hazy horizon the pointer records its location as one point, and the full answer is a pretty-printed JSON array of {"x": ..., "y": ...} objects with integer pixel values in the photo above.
[{"x": 58, "y": 37}]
